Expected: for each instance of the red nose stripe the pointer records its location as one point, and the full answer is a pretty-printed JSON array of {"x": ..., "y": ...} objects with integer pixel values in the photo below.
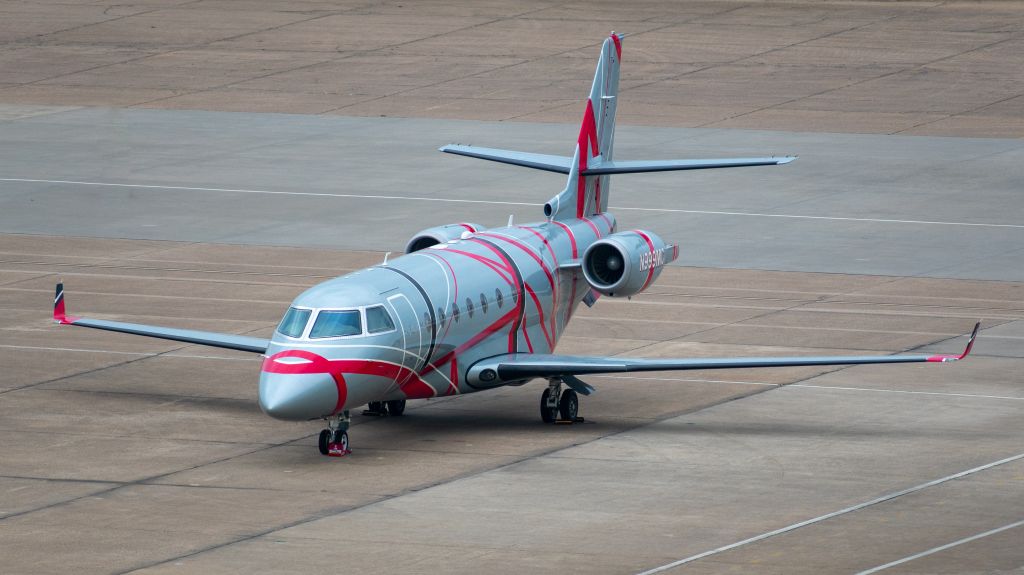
[{"x": 414, "y": 387}]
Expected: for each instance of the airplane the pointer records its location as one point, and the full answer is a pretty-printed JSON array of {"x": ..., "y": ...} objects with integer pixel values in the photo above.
[{"x": 469, "y": 309}]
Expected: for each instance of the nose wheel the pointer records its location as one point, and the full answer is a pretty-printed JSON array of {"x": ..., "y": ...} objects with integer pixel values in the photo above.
[{"x": 333, "y": 441}]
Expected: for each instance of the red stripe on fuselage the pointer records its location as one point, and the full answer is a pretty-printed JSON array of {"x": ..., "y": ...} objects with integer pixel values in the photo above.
[
  {"x": 588, "y": 144},
  {"x": 489, "y": 263},
  {"x": 650, "y": 244},
  {"x": 318, "y": 364}
]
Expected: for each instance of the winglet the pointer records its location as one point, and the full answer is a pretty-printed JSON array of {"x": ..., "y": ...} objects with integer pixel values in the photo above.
[
  {"x": 967, "y": 350},
  {"x": 59, "y": 315}
]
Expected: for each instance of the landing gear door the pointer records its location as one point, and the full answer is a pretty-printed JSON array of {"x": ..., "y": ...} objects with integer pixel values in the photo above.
[{"x": 412, "y": 336}]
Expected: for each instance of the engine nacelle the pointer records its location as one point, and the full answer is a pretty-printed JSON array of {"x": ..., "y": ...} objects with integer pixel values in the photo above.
[
  {"x": 440, "y": 235},
  {"x": 625, "y": 263}
]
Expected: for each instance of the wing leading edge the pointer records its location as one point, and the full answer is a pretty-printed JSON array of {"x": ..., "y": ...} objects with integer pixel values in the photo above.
[
  {"x": 514, "y": 367},
  {"x": 213, "y": 339}
]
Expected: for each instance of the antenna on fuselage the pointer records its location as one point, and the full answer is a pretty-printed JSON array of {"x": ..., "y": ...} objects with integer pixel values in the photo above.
[
  {"x": 386, "y": 259},
  {"x": 511, "y": 218}
]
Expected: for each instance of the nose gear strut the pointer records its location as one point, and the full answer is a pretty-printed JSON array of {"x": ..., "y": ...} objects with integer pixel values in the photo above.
[{"x": 334, "y": 440}]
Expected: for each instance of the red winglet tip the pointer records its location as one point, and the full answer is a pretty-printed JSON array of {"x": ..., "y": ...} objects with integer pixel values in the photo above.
[
  {"x": 967, "y": 350},
  {"x": 58, "y": 305},
  {"x": 970, "y": 342}
]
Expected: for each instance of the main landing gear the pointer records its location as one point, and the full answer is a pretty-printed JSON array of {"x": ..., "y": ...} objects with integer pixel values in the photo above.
[
  {"x": 381, "y": 408},
  {"x": 334, "y": 440},
  {"x": 557, "y": 406}
]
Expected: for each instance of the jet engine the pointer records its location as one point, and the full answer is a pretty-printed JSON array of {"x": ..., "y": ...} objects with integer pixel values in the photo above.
[
  {"x": 440, "y": 235},
  {"x": 625, "y": 263}
]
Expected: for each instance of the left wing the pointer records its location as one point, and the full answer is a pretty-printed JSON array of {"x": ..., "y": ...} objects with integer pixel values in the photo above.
[
  {"x": 519, "y": 366},
  {"x": 213, "y": 339}
]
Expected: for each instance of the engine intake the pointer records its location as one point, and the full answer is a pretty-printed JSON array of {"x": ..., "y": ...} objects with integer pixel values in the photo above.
[
  {"x": 440, "y": 235},
  {"x": 626, "y": 263}
]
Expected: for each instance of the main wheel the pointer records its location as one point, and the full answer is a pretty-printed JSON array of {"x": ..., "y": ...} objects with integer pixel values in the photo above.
[
  {"x": 341, "y": 438},
  {"x": 325, "y": 439},
  {"x": 377, "y": 407},
  {"x": 568, "y": 405},
  {"x": 396, "y": 407},
  {"x": 547, "y": 413}
]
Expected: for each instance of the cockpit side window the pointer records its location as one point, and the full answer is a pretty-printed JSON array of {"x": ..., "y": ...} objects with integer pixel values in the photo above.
[
  {"x": 378, "y": 320},
  {"x": 294, "y": 322},
  {"x": 337, "y": 323}
]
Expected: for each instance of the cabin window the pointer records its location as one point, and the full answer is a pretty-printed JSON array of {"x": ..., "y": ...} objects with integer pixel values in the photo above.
[
  {"x": 498, "y": 297},
  {"x": 469, "y": 307},
  {"x": 337, "y": 323},
  {"x": 440, "y": 317},
  {"x": 483, "y": 303},
  {"x": 455, "y": 312},
  {"x": 294, "y": 322},
  {"x": 378, "y": 320}
]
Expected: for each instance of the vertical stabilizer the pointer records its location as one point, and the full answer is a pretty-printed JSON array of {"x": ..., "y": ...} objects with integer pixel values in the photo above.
[{"x": 587, "y": 195}]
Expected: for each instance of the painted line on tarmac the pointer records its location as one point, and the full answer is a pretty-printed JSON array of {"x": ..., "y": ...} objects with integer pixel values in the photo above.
[
  {"x": 114, "y": 352},
  {"x": 787, "y": 385},
  {"x": 942, "y": 547},
  {"x": 943, "y": 393},
  {"x": 496, "y": 202},
  {"x": 827, "y": 516}
]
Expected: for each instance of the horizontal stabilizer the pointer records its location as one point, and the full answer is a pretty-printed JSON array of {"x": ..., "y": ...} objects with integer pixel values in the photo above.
[
  {"x": 560, "y": 164},
  {"x": 639, "y": 167}
]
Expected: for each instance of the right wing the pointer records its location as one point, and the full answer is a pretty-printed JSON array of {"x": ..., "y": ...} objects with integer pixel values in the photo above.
[
  {"x": 519, "y": 366},
  {"x": 213, "y": 339}
]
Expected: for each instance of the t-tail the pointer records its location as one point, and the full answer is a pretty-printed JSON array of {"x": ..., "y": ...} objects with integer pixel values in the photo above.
[{"x": 591, "y": 165}]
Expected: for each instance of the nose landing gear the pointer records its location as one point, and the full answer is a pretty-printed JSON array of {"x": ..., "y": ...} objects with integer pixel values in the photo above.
[
  {"x": 334, "y": 440},
  {"x": 557, "y": 406}
]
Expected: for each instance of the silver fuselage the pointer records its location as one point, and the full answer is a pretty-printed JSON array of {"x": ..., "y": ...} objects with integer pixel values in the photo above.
[{"x": 490, "y": 293}]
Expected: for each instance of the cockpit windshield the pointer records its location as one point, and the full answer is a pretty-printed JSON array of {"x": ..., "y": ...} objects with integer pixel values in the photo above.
[
  {"x": 337, "y": 323},
  {"x": 294, "y": 322}
]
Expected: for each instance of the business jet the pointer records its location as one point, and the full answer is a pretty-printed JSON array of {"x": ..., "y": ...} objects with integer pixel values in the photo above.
[{"x": 470, "y": 309}]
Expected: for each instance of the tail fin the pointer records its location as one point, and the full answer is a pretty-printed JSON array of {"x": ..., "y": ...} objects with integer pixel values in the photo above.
[
  {"x": 585, "y": 195},
  {"x": 590, "y": 167}
]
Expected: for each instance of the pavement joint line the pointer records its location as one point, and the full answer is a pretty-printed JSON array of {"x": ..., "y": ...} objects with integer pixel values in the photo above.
[
  {"x": 507, "y": 203},
  {"x": 942, "y": 547},
  {"x": 332, "y": 512},
  {"x": 445, "y": 481},
  {"x": 820, "y": 518}
]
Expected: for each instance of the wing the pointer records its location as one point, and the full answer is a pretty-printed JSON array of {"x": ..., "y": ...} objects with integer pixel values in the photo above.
[
  {"x": 519, "y": 366},
  {"x": 213, "y": 339}
]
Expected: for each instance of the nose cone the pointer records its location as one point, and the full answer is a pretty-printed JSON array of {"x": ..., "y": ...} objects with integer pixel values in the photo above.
[{"x": 297, "y": 397}]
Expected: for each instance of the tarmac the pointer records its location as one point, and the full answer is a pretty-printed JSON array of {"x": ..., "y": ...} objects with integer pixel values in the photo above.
[{"x": 124, "y": 173}]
